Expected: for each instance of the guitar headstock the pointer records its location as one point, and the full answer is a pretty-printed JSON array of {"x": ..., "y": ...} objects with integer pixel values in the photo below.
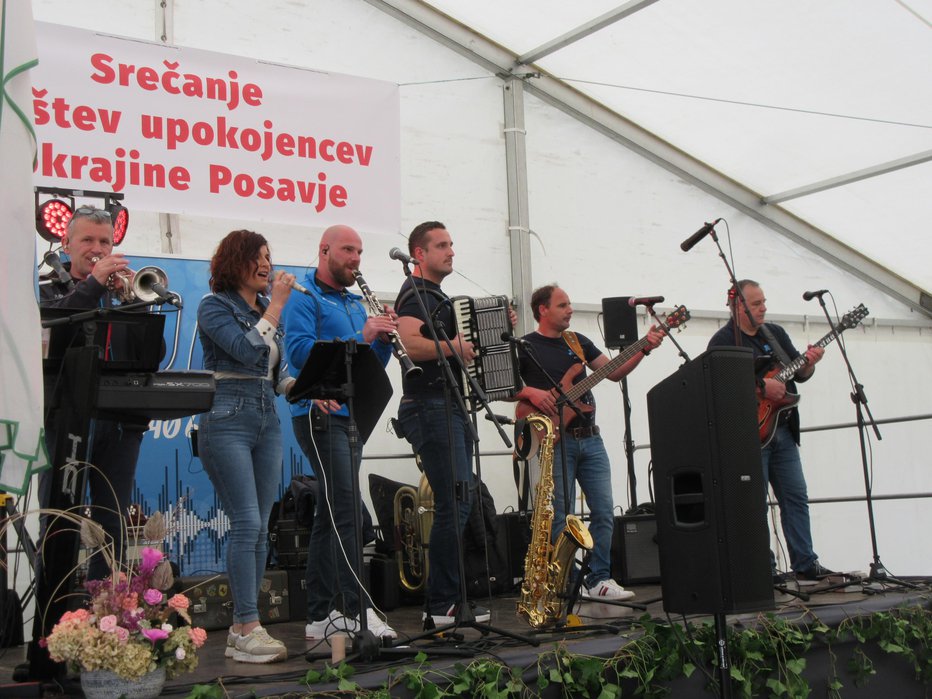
[
  {"x": 853, "y": 318},
  {"x": 677, "y": 317}
]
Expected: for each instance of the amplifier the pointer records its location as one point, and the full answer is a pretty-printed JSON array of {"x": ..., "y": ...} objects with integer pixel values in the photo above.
[
  {"x": 635, "y": 555},
  {"x": 212, "y": 601}
]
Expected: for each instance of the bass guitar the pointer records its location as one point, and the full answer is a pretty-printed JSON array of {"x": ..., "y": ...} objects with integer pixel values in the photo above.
[
  {"x": 768, "y": 411},
  {"x": 575, "y": 391}
]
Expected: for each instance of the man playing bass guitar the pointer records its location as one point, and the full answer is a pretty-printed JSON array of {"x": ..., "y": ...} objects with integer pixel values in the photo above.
[
  {"x": 783, "y": 469},
  {"x": 587, "y": 460}
]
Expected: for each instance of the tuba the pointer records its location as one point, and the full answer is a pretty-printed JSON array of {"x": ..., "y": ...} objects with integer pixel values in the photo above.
[
  {"x": 547, "y": 565},
  {"x": 414, "y": 517}
]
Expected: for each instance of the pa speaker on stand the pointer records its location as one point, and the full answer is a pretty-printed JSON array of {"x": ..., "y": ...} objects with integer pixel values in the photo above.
[{"x": 708, "y": 482}]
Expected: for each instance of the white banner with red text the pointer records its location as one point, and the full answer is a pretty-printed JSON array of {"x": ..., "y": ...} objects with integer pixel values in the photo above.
[{"x": 182, "y": 130}]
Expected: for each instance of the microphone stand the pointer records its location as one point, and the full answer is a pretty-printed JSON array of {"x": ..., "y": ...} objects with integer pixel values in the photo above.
[
  {"x": 465, "y": 617},
  {"x": 878, "y": 573}
]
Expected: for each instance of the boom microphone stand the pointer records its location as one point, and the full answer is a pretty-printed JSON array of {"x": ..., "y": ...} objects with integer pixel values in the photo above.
[
  {"x": 465, "y": 617},
  {"x": 878, "y": 573}
]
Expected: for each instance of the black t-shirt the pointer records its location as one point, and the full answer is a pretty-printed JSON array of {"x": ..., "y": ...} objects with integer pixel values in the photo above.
[
  {"x": 557, "y": 357},
  {"x": 760, "y": 346},
  {"x": 440, "y": 308}
]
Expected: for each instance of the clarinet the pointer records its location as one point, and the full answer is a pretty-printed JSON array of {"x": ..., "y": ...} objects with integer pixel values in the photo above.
[{"x": 376, "y": 308}]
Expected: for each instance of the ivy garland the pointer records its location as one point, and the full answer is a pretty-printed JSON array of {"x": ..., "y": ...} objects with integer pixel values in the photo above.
[{"x": 767, "y": 660}]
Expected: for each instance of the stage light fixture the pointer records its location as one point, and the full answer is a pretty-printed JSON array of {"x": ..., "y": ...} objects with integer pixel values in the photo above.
[
  {"x": 119, "y": 217},
  {"x": 52, "y": 219}
]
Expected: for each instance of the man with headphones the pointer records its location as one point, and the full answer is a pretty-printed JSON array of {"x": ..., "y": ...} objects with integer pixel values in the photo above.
[{"x": 330, "y": 312}]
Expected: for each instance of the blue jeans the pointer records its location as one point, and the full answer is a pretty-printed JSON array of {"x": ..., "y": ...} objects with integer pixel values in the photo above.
[
  {"x": 783, "y": 470},
  {"x": 114, "y": 451},
  {"x": 587, "y": 462},
  {"x": 424, "y": 422},
  {"x": 240, "y": 443},
  {"x": 327, "y": 572}
]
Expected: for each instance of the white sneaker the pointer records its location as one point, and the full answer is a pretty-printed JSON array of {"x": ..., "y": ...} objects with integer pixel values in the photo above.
[
  {"x": 607, "y": 589},
  {"x": 329, "y": 625},
  {"x": 231, "y": 643},
  {"x": 379, "y": 628},
  {"x": 258, "y": 647}
]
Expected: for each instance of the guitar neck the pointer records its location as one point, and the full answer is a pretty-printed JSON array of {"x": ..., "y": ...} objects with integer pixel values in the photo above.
[
  {"x": 789, "y": 370},
  {"x": 579, "y": 389}
]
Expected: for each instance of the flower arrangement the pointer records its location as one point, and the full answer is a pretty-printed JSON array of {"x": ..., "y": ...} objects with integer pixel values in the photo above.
[{"x": 125, "y": 628}]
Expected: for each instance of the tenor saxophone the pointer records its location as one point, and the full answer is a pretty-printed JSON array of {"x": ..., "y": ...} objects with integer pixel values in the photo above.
[{"x": 547, "y": 565}]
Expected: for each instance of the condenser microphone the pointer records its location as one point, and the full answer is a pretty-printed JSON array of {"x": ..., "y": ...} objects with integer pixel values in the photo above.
[
  {"x": 809, "y": 295},
  {"x": 644, "y": 300},
  {"x": 688, "y": 244},
  {"x": 401, "y": 256}
]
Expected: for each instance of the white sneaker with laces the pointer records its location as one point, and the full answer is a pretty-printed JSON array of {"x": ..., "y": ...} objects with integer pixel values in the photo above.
[
  {"x": 258, "y": 647},
  {"x": 333, "y": 623},
  {"x": 606, "y": 589},
  {"x": 379, "y": 628}
]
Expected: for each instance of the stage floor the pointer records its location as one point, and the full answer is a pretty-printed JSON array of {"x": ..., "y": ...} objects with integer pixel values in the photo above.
[{"x": 604, "y": 637}]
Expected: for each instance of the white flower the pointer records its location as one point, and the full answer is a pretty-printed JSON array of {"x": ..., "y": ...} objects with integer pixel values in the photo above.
[
  {"x": 167, "y": 627},
  {"x": 179, "y": 653}
]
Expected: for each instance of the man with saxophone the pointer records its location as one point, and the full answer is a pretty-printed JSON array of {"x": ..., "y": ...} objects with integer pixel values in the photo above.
[
  {"x": 329, "y": 312},
  {"x": 558, "y": 350},
  {"x": 98, "y": 275}
]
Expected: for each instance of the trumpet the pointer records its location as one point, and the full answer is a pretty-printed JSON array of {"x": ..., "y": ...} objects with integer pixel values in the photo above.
[
  {"x": 143, "y": 284},
  {"x": 409, "y": 368}
]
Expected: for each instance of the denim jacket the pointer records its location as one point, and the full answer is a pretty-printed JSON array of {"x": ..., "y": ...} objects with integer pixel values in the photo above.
[{"x": 226, "y": 325}]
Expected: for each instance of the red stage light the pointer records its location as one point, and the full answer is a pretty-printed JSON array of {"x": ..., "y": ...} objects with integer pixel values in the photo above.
[{"x": 52, "y": 220}]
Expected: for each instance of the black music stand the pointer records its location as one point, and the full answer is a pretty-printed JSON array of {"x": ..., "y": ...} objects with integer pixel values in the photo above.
[{"x": 341, "y": 371}]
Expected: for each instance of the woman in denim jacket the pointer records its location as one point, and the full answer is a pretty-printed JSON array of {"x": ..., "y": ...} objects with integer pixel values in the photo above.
[{"x": 239, "y": 440}]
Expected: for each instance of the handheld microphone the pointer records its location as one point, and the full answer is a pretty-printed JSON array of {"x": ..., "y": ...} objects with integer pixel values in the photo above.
[
  {"x": 169, "y": 296},
  {"x": 54, "y": 261},
  {"x": 294, "y": 285},
  {"x": 511, "y": 339},
  {"x": 688, "y": 244},
  {"x": 809, "y": 295},
  {"x": 644, "y": 300},
  {"x": 401, "y": 256}
]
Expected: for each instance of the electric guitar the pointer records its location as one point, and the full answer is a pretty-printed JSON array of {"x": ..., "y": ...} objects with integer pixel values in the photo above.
[
  {"x": 768, "y": 411},
  {"x": 575, "y": 391}
]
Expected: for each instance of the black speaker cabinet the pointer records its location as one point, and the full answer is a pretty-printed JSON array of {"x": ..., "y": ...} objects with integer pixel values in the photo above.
[
  {"x": 708, "y": 484},
  {"x": 635, "y": 557},
  {"x": 621, "y": 322}
]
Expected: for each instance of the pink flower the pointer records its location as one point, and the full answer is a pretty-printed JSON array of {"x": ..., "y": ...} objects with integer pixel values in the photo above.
[
  {"x": 108, "y": 623},
  {"x": 77, "y": 615},
  {"x": 150, "y": 558},
  {"x": 121, "y": 634},
  {"x": 197, "y": 635},
  {"x": 178, "y": 602},
  {"x": 154, "y": 635},
  {"x": 152, "y": 596},
  {"x": 130, "y": 602}
]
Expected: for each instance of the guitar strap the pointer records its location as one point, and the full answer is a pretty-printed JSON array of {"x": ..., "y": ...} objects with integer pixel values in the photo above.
[
  {"x": 569, "y": 337},
  {"x": 778, "y": 350}
]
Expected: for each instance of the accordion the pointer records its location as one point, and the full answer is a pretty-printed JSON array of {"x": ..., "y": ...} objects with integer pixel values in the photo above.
[{"x": 482, "y": 322}]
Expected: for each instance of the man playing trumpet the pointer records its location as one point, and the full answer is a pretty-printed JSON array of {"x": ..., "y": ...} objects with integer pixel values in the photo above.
[{"x": 98, "y": 275}]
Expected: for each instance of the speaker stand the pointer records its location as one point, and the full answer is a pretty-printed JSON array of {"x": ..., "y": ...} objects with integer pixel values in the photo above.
[{"x": 724, "y": 660}]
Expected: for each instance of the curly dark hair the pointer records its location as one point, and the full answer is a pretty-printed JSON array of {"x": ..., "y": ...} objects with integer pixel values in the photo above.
[{"x": 235, "y": 259}]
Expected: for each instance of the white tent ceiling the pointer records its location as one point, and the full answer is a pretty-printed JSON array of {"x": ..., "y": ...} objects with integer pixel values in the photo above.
[{"x": 778, "y": 96}]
